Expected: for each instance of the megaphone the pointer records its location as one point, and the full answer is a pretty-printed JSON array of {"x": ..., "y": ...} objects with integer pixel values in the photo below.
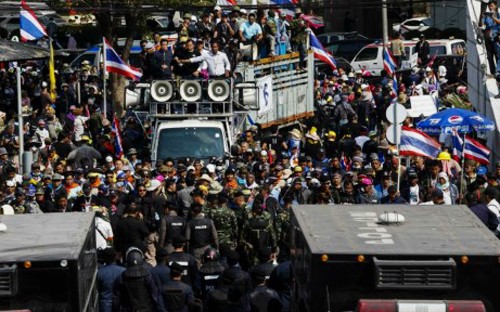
[
  {"x": 190, "y": 90},
  {"x": 161, "y": 90},
  {"x": 131, "y": 98},
  {"x": 218, "y": 90},
  {"x": 249, "y": 94}
]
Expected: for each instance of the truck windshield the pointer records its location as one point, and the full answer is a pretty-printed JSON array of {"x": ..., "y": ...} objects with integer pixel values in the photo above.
[{"x": 190, "y": 142}]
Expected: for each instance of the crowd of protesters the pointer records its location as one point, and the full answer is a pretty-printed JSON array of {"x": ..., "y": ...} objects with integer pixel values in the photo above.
[{"x": 213, "y": 234}]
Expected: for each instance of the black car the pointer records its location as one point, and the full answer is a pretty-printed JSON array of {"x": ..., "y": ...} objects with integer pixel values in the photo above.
[{"x": 348, "y": 49}]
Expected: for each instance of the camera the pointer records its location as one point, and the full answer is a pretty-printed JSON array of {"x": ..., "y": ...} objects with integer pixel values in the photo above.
[{"x": 488, "y": 13}]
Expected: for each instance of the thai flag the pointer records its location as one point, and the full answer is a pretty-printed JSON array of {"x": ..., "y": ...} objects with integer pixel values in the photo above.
[
  {"x": 313, "y": 21},
  {"x": 224, "y": 3},
  {"x": 389, "y": 63},
  {"x": 114, "y": 64},
  {"x": 115, "y": 128},
  {"x": 30, "y": 27},
  {"x": 476, "y": 151},
  {"x": 416, "y": 143},
  {"x": 320, "y": 52},
  {"x": 395, "y": 84}
]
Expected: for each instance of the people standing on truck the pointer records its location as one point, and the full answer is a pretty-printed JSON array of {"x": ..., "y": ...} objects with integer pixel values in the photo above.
[
  {"x": 162, "y": 61},
  {"x": 217, "y": 62},
  {"x": 299, "y": 35}
]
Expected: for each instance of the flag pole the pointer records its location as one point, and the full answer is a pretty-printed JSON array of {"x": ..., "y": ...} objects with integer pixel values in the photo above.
[
  {"x": 104, "y": 91},
  {"x": 20, "y": 124},
  {"x": 462, "y": 171}
]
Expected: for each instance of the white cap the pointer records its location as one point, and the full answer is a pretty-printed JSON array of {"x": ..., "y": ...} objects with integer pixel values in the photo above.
[
  {"x": 428, "y": 69},
  {"x": 153, "y": 185},
  {"x": 10, "y": 183},
  {"x": 45, "y": 84},
  {"x": 358, "y": 71},
  {"x": 217, "y": 8},
  {"x": 211, "y": 168},
  {"x": 109, "y": 159},
  {"x": 364, "y": 86},
  {"x": 243, "y": 11},
  {"x": 263, "y": 153}
]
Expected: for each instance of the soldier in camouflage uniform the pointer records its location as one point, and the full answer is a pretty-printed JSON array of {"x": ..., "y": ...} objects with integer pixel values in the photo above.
[
  {"x": 224, "y": 220},
  {"x": 258, "y": 233},
  {"x": 283, "y": 226},
  {"x": 240, "y": 209},
  {"x": 299, "y": 35}
]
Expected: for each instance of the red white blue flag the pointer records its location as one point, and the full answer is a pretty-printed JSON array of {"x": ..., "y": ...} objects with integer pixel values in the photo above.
[
  {"x": 114, "y": 64},
  {"x": 30, "y": 27},
  {"x": 472, "y": 149},
  {"x": 115, "y": 128},
  {"x": 320, "y": 52},
  {"x": 389, "y": 63},
  {"x": 416, "y": 143}
]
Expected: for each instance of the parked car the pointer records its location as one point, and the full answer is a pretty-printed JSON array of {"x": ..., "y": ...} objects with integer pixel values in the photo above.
[
  {"x": 371, "y": 56},
  {"x": 415, "y": 23},
  {"x": 329, "y": 38},
  {"x": 348, "y": 49}
]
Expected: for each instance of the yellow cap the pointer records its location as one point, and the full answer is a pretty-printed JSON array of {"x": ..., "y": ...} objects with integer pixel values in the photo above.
[{"x": 444, "y": 156}]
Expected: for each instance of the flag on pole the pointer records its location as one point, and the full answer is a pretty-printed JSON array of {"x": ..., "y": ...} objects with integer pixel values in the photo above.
[
  {"x": 52, "y": 74},
  {"x": 416, "y": 143},
  {"x": 320, "y": 52},
  {"x": 30, "y": 27},
  {"x": 115, "y": 128},
  {"x": 389, "y": 63},
  {"x": 224, "y": 3},
  {"x": 313, "y": 20},
  {"x": 472, "y": 149},
  {"x": 114, "y": 64}
]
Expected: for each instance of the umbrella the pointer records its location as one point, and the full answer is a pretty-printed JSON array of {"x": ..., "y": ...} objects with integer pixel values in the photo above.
[{"x": 457, "y": 119}]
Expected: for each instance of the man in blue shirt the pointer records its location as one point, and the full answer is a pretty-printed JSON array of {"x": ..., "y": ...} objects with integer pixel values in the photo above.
[
  {"x": 106, "y": 278},
  {"x": 250, "y": 34}
]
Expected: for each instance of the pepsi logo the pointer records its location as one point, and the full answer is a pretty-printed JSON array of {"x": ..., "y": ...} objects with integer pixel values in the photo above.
[{"x": 455, "y": 119}]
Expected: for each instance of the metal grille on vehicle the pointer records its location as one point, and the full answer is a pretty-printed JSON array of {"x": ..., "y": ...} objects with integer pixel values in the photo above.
[
  {"x": 8, "y": 283},
  {"x": 415, "y": 274}
]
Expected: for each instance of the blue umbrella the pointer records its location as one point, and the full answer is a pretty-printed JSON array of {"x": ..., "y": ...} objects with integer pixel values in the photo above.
[{"x": 458, "y": 119}]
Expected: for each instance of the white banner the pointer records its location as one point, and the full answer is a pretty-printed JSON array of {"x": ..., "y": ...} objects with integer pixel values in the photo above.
[{"x": 265, "y": 89}]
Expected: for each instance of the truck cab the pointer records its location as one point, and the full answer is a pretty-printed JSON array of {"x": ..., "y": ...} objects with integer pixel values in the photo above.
[{"x": 393, "y": 258}]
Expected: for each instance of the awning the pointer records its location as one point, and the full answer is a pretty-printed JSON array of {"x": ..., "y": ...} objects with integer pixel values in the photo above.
[{"x": 11, "y": 51}]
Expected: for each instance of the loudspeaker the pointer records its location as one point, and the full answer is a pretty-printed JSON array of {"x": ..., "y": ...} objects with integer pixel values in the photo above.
[
  {"x": 190, "y": 90},
  {"x": 132, "y": 98},
  {"x": 161, "y": 90},
  {"x": 219, "y": 90},
  {"x": 247, "y": 94}
]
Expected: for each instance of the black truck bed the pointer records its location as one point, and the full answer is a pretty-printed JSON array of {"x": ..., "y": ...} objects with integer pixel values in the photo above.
[
  {"x": 44, "y": 237},
  {"x": 428, "y": 230}
]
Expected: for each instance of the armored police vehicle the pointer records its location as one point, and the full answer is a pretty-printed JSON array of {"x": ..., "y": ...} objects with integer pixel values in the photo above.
[
  {"x": 393, "y": 258},
  {"x": 48, "y": 262}
]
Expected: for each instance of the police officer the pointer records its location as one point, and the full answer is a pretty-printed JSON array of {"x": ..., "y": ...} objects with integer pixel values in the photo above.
[
  {"x": 263, "y": 298},
  {"x": 258, "y": 233},
  {"x": 266, "y": 265},
  {"x": 176, "y": 294},
  {"x": 187, "y": 261},
  {"x": 200, "y": 232},
  {"x": 210, "y": 272},
  {"x": 136, "y": 290},
  {"x": 171, "y": 225},
  {"x": 225, "y": 221}
]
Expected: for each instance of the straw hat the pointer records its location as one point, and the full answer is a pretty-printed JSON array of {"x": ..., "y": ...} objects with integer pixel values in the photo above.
[{"x": 296, "y": 134}]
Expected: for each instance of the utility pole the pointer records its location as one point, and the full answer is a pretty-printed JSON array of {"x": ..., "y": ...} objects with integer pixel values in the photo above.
[{"x": 385, "y": 29}]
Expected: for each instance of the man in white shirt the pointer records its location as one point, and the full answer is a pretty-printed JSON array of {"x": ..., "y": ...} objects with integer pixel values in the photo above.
[
  {"x": 104, "y": 232},
  {"x": 217, "y": 62}
]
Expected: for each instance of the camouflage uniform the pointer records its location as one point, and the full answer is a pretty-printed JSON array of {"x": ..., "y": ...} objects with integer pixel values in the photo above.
[
  {"x": 258, "y": 233},
  {"x": 226, "y": 224},
  {"x": 299, "y": 37},
  {"x": 283, "y": 226}
]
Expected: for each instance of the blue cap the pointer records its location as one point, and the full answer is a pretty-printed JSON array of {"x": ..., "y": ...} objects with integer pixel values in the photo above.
[{"x": 482, "y": 170}]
